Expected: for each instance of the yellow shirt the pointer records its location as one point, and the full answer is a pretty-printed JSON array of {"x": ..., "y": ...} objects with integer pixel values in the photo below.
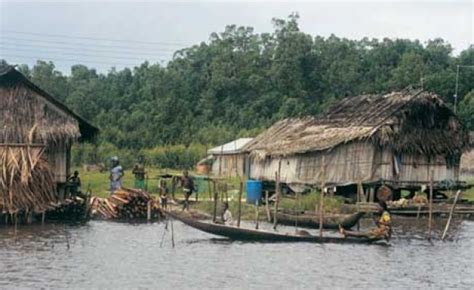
[{"x": 385, "y": 218}]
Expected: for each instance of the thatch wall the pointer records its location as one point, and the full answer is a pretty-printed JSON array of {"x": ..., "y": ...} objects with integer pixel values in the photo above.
[
  {"x": 353, "y": 163},
  {"x": 27, "y": 118},
  {"x": 229, "y": 165}
]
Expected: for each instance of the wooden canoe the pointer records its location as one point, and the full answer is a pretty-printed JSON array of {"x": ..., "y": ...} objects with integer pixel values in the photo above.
[
  {"x": 307, "y": 220},
  {"x": 243, "y": 234}
]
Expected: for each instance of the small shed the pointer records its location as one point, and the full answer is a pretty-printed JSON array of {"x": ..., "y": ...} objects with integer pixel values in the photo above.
[
  {"x": 396, "y": 139},
  {"x": 36, "y": 135},
  {"x": 229, "y": 159}
]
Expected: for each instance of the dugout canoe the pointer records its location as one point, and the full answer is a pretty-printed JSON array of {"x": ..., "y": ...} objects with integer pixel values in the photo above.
[
  {"x": 243, "y": 234},
  {"x": 311, "y": 220}
]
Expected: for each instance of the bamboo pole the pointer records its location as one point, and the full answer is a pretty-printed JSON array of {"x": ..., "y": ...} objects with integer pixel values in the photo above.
[
  {"x": 430, "y": 213},
  {"x": 321, "y": 200},
  {"x": 277, "y": 195},
  {"x": 172, "y": 233},
  {"x": 240, "y": 203},
  {"x": 450, "y": 215},
  {"x": 267, "y": 207}
]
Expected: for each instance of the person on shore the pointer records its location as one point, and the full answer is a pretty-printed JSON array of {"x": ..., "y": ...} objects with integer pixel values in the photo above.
[
  {"x": 382, "y": 231},
  {"x": 116, "y": 175},
  {"x": 227, "y": 215},
  {"x": 187, "y": 183},
  {"x": 164, "y": 195},
  {"x": 74, "y": 184},
  {"x": 139, "y": 172}
]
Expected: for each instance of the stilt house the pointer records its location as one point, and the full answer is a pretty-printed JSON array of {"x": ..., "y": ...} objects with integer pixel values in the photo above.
[
  {"x": 36, "y": 134},
  {"x": 396, "y": 139}
]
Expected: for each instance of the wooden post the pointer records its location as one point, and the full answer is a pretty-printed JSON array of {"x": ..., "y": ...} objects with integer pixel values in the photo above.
[
  {"x": 277, "y": 195},
  {"x": 267, "y": 207},
  {"x": 321, "y": 200},
  {"x": 297, "y": 207},
  {"x": 214, "y": 216},
  {"x": 174, "y": 183},
  {"x": 148, "y": 210},
  {"x": 256, "y": 214},
  {"x": 450, "y": 215},
  {"x": 358, "y": 203},
  {"x": 430, "y": 214},
  {"x": 172, "y": 233},
  {"x": 209, "y": 187},
  {"x": 239, "y": 213},
  {"x": 226, "y": 192},
  {"x": 197, "y": 193}
]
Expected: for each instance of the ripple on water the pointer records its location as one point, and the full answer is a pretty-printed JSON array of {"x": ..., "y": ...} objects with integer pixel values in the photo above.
[{"x": 105, "y": 254}]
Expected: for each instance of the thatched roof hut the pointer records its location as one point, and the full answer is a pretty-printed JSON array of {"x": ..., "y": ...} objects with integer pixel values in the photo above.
[
  {"x": 395, "y": 137},
  {"x": 36, "y": 134}
]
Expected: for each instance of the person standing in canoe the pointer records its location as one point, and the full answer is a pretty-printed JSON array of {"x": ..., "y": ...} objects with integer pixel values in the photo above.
[
  {"x": 187, "y": 183},
  {"x": 116, "y": 174},
  {"x": 139, "y": 172},
  {"x": 382, "y": 231}
]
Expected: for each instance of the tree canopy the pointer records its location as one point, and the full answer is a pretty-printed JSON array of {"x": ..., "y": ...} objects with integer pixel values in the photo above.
[{"x": 240, "y": 82}]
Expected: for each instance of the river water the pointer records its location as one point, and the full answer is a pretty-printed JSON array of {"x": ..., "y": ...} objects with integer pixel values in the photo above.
[{"x": 119, "y": 255}]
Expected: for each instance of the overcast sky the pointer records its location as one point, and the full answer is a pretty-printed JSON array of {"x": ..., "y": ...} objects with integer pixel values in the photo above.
[{"x": 61, "y": 30}]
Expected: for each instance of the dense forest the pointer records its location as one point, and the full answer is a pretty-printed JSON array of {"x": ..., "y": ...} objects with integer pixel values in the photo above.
[{"x": 240, "y": 82}]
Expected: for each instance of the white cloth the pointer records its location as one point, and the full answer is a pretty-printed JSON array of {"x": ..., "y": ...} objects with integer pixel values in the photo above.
[{"x": 227, "y": 217}]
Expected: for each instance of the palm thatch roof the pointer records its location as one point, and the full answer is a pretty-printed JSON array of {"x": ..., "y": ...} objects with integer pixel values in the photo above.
[
  {"x": 408, "y": 121},
  {"x": 30, "y": 115}
]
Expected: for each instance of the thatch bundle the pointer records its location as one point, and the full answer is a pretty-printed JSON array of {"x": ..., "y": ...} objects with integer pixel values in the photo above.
[{"x": 26, "y": 181}]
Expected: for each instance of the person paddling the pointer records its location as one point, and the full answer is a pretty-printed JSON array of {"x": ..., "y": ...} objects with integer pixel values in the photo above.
[{"x": 382, "y": 231}]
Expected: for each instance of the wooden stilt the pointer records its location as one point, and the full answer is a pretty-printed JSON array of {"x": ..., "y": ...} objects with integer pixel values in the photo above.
[
  {"x": 241, "y": 185},
  {"x": 358, "y": 202},
  {"x": 321, "y": 200},
  {"x": 277, "y": 195},
  {"x": 267, "y": 207},
  {"x": 450, "y": 215},
  {"x": 430, "y": 213},
  {"x": 215, "y": 207},
  {"x": 256, "y": 214},
  {"x": 297, "y": 207}
]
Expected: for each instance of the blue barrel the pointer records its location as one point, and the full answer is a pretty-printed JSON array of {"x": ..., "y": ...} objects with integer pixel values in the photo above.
[{"x": 254, "y": 191}]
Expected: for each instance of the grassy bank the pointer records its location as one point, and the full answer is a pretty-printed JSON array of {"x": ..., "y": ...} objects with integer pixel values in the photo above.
[{"x": 98, "y": 184}]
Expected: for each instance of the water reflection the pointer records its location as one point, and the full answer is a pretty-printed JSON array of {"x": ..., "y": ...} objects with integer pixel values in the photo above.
[{"x": 105, "y": 254}]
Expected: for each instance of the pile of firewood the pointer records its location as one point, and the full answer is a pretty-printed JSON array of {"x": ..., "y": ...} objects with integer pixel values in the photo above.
[
  {"x": 74, "y": 208},
  {"x": 126, "y": 204}
]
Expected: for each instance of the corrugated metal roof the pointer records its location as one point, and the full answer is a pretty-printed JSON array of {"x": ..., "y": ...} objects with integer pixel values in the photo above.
[{"x": 232, "y": 147}]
